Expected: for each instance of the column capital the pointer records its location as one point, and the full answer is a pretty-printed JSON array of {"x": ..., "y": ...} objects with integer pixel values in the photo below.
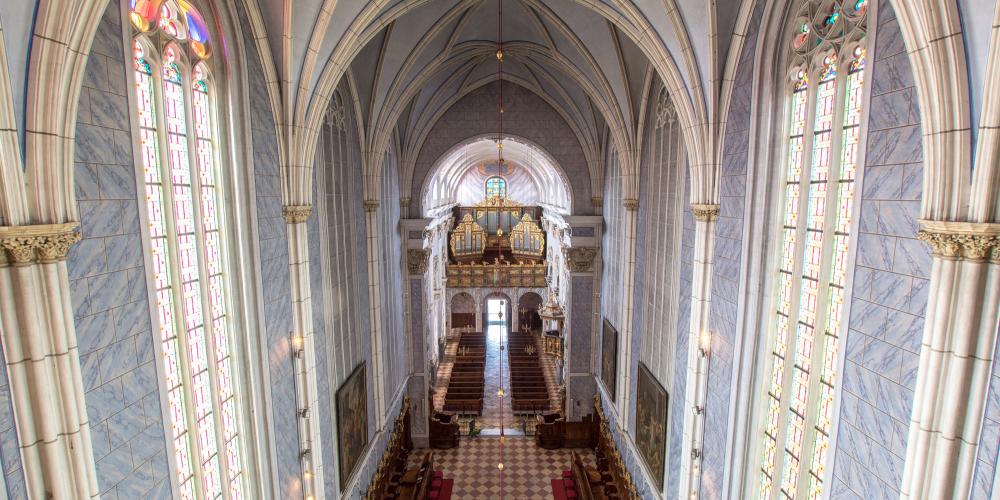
[
  {"x": 404, "y": 202},
  {"x": 581, "y": 259},
  {"x": 41, "y": 243},
  {"x": 631, "y": 204},
  {"x": 371, "y": 205},
  {"x": 416, "y": 260},
  {"x": 974, "y": 241},
  {"x": 597, "y": 201},
  {"x": 296, "y": 214},
  {"x": 705, "y": 212}
]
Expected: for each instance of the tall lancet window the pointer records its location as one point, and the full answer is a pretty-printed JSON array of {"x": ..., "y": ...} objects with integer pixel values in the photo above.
[
  {"x": 177, "y": 110},
  {"x": 823, "y": 100}
]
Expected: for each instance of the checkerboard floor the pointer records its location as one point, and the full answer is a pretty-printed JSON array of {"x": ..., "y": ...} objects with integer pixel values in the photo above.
[{"x": 527, "y": 472}]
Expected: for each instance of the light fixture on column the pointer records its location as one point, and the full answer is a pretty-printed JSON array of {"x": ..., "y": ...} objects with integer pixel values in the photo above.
[{"x": 705, "y": 343}]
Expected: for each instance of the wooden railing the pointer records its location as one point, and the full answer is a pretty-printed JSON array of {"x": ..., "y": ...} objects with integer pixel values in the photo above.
[{"x": 527, "y": 275}]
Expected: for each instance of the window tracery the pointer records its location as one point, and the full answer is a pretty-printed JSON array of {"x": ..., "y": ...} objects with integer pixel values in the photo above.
[
  {"x": 496, "y": 186},
  {"x": 824, "y": 105},
  {"x": 176, "y": 109}
]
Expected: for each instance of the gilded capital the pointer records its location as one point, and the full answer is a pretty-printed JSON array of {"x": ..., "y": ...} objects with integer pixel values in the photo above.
[
  {"x": 975, "y": 241},
  {"x": 42, "y": 243},
  {"x": 597, "y": 201},
  {"x": 371, "y": 205},
  {"x": 580, "y": 259},
  {"x": 705, "y": 212},
  {"x": 416, "y": 260},
  {"x": 631, "y": 204},
  {"x": 296, "y": 214}
]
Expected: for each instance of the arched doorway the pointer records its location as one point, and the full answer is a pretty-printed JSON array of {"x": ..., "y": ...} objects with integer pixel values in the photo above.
[
  {"x": 463, "y": 311},
  {"x": 527, "y": 312},
  {"x": 497, "y": 315}
]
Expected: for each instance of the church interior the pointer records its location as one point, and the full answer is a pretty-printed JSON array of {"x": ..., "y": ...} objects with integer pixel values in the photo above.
[{"x": 499, "y": 249}]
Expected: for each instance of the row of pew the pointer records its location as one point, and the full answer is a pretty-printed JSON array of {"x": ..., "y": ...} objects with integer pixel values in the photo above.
[
  {"x": 465, "y": 388},
  {"x": 529, "y": 391}
]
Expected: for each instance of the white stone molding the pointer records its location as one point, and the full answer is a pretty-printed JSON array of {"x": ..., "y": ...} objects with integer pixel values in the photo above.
[
  {"x": 43, "y": 363},
  {"x": 373, "y": 232},
  {"x": 956, "y": 358},
  {"x": 695, "y": 394},
  {"x": 629, "y": 220}
]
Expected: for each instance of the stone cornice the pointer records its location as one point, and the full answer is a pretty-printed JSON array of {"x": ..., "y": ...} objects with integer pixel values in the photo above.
[
  {"x": 296, "y": 214},
  {"x": 705, "y": 212},
  {"x": 42, "y": 243},
  {"x": 580, "y": 259},
  {"x": 975, "y": 241}
]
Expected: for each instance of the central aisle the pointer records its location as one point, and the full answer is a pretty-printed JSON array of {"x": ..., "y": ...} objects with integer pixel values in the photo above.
[
  {"x": 496, "y": 337},
  {"x": 528, "y": 469}
]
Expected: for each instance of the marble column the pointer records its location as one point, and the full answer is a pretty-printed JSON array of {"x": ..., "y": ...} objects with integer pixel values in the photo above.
[
  {"x": 40, "y": 345},
  {"x": 304, "y": 350},
  {"x": 699, "y": 352},
  {"x": 419, "y": 385},
  {"x": 629, "y": 220},
  {"x": 374, "y": 229},
  {"x": 579, "y": 335},
  {"x": 956, "y": 358}
]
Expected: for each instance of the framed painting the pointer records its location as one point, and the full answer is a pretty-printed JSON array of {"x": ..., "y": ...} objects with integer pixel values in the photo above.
[
  {"x": 609, "y": 357},
  {"x": 651, "y": 423},
  {"x": 352, "y": 422}
]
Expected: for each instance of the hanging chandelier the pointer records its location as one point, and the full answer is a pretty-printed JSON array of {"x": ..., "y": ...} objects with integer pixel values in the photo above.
[{"x": 501, "y": 393}]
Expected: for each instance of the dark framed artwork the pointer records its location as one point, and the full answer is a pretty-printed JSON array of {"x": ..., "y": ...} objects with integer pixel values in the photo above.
[
  {"x": 352, "y": 422},
  {"x": 651, "y": 423},
  {"x": 609, "y": 357}
]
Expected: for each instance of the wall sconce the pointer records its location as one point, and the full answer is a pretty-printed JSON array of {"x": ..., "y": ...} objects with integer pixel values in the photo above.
[
  {"x": 695, "y": 453},
  {"x": 306, "y": 454},
  {"x": 304, "y": 413},
  {"x": 705, "y": 343},
  {"x": 698, "y": 409},
  {"x": 298, "y": 344}
]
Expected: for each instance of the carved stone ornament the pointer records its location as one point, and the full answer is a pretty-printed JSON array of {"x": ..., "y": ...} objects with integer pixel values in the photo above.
[
  {"x": 296, "y": 214},
  {"x": 962, "y": 240},
  {"x": 581, "y": 259},
  {"x": 416, "y": 260},
  {"x": 705, "y": 212},
  {"x": 371, "y": 205},
  {"x": 597, "y": 201},
  {"x": 631, "y": 204},
  {"x": 42, "y": 243}
]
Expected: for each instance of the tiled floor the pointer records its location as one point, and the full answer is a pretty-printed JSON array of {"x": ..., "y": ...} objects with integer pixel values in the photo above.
[{"x": 527, "y": 468}]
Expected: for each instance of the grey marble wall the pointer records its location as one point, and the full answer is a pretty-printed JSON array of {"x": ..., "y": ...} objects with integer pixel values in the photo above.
[
  {"x": 989, "y": 440},
  {"x": 10, "y": 457},
  {"x": 391, "y": 306},
  {"x": 612, "y": 251},
  {"x": 890, "y": 283},
  {"x": 527, "y": 115},
  {"x": 581, "y": 322},
  {"x": 275, "y": 286},
  {"x": 676, "y": 411},
  {"x": 727, "y": 270},
  {"x": 108, "y": 287}
]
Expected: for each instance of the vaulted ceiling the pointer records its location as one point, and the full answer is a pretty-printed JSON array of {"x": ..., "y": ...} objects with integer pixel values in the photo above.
[{"x": 408, "y": 61}]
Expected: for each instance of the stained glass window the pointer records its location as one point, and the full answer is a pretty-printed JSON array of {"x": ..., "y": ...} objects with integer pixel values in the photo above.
[
  {"x": 175, "y": 107},
  {"x": 823, "y": 126},
  {"x": 496, "y": 186}
]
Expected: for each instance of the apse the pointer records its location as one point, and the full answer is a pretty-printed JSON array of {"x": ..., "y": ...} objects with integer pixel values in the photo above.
[{"x": 529, "y": 175}]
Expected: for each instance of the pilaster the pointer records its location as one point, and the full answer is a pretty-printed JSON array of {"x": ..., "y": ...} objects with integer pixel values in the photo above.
[
  {"x": 43, "y": 364},
  {"x": 956, "y": 358},
  {"x": 699, "y": 340},
  {"x": 303, "y": 349}
]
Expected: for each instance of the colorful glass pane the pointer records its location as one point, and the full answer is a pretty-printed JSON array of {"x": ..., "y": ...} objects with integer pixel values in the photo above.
[{"x": 496, "y": 186}]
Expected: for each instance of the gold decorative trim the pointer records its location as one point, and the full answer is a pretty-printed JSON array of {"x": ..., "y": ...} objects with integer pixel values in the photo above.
[
  {"x": 975, "y": 241},
  {"x": 42, "y": 243},
  {"x": 371, "y": 205},
  {"x": 296, "y": 214},
  {"x": 631, "y": 204},
  {"x": 705, "y": 212},
  {"x": 404, "y": 203},
  {"x": 581, "y": 259},
  {"x": 416, "y": 260},
  {"x": 597, "y": 201}
]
